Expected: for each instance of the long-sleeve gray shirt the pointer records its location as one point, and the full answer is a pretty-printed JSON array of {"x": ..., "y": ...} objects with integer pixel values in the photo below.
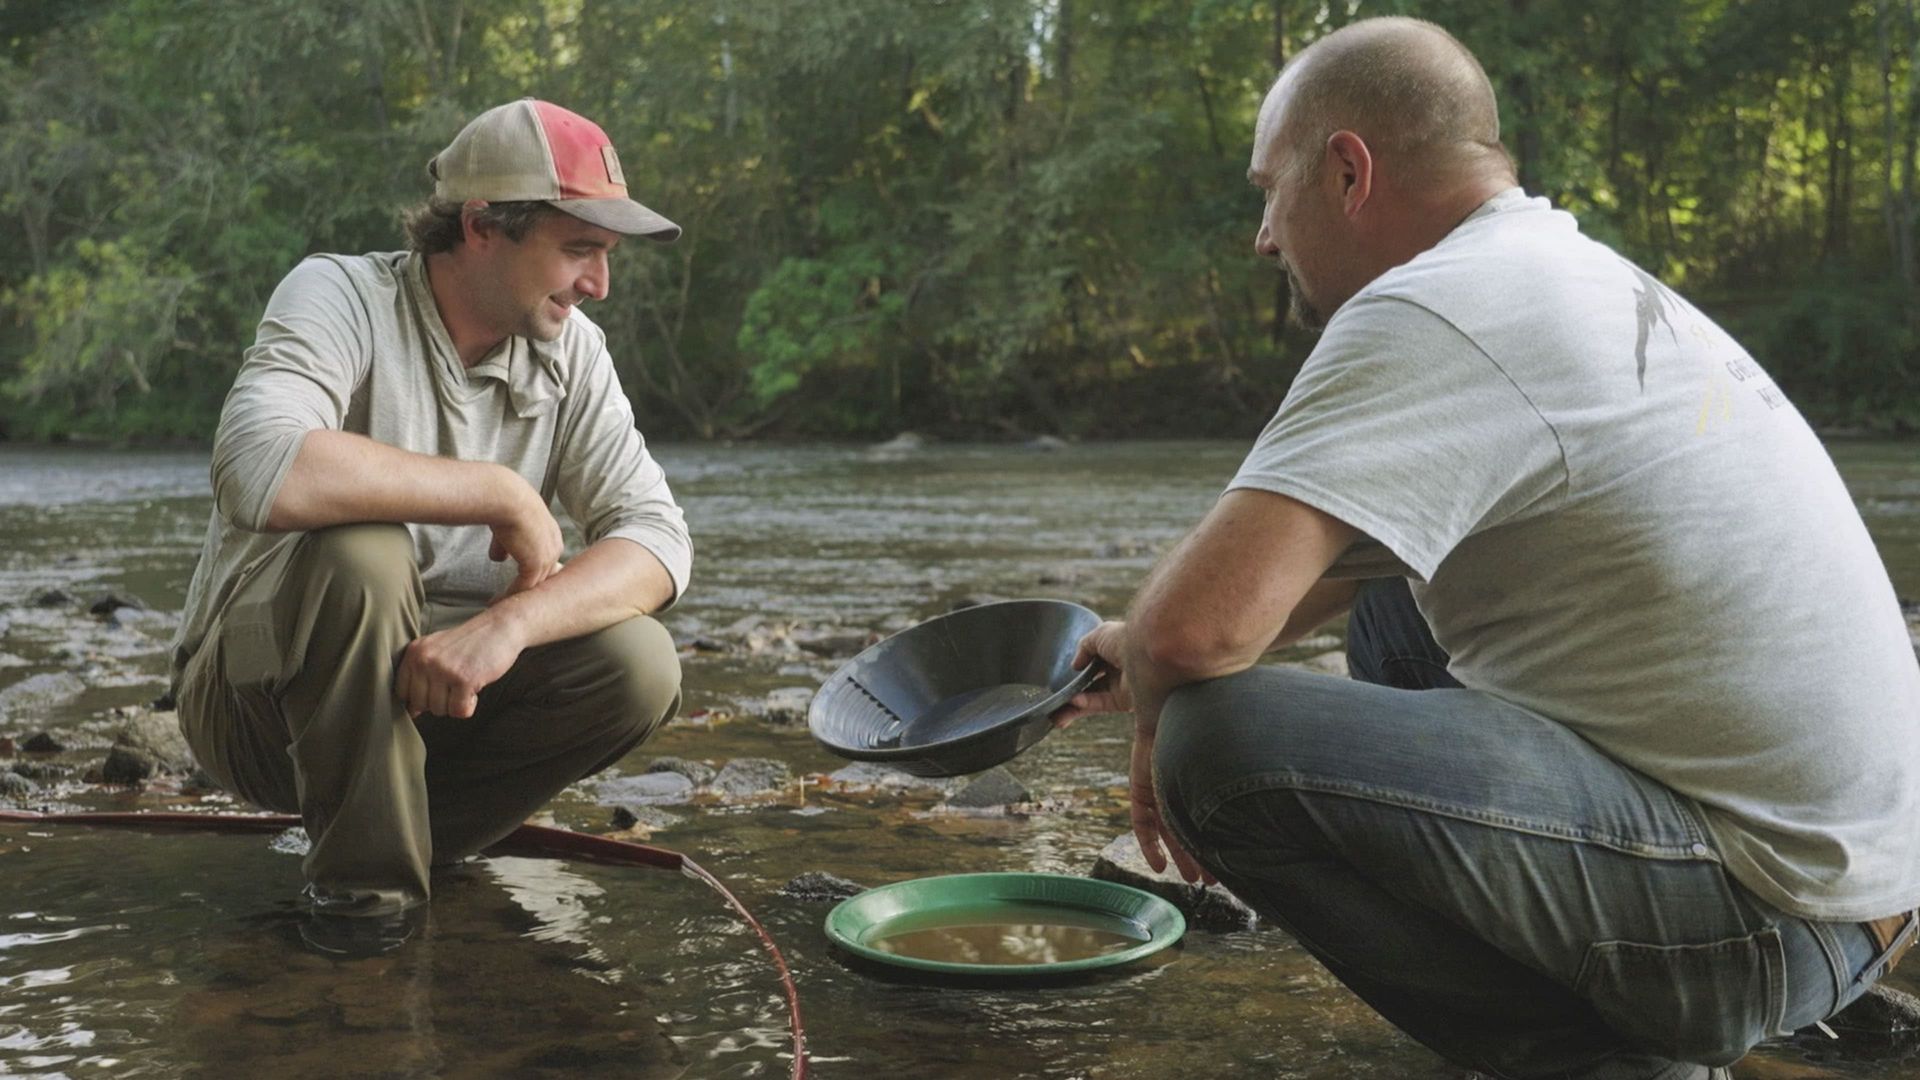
[{"x": 355, "y": 343}]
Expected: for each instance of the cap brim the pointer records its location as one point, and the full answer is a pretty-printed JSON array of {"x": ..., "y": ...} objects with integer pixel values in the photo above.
[{"x": 623, "y": 216}]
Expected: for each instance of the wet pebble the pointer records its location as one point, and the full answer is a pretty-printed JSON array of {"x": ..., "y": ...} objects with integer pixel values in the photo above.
[
  {"x": 818, "y": 886},
  {"x": 1207, "y": 907},
  {"x": 699, "y": 772},
  {"x": 650, "y": 818},
  {"x": 747, "y": 777},
  {"x": 833, "y": 640},
  {"x": 994, "y": 788},
  {"x": 52, "y": 598},
  {"x": 647, "y": 789},
  {"x": 787, "y": 706}
]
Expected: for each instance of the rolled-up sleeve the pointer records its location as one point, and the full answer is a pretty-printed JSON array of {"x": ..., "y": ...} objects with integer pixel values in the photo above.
[
  {"x": 608, "y": 482},
  {"x": 299, "y": 375}
]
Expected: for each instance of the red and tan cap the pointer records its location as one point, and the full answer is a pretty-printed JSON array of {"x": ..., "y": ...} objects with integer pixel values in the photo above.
[{"x": 531, "y": 150}]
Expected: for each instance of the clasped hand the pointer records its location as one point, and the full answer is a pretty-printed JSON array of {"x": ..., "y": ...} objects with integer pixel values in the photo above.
[{"x": 443, "y": 673}]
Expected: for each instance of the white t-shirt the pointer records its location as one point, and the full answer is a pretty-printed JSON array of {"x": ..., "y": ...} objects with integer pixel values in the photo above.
[{"x": 1613, "y": 518}]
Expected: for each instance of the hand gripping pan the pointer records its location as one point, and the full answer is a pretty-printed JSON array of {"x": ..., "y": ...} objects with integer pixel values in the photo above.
[{"x": 959, "y": 693}]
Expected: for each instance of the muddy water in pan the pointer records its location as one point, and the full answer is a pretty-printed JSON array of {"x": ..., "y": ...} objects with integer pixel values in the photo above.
[{"x": 149, "y": 955}]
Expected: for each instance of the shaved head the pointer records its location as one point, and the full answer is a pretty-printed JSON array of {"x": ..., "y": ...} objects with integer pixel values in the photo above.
[{"x": 1413, "y": 93}]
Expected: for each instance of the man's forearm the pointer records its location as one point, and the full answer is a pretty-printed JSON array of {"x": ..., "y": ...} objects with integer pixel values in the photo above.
[
  {"x": 340, "y": 478},
  {"x": 610, "y": 582}
]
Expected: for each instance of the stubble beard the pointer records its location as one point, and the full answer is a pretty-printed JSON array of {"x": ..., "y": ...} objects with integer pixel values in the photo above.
[{"x": 1300, "y": 311}]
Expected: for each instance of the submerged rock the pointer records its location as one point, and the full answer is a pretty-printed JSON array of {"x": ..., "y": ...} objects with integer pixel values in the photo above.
[
  {"x": 1884, "y": 1013},
  {"x": 40, "y": 692},
  {"x": 787, "y": 706},
  {"x": 51, "y": 598},
  {"x": 44, "y": 771},
  {"x": 647, "y": 789},
  {"x": 993, "y": 788},
  {"x": 699, "y": 772},
  {"x": 15, "y": 788},
  {"x": 747, "y": 777},
  {"x": 1207, "y": 907},
  {"x": 818, "y": 886},
  {"x": 872, "y": 775}
]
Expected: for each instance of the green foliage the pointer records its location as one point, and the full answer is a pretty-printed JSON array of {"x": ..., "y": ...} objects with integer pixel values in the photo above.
[{"x": 973, "y": 215}]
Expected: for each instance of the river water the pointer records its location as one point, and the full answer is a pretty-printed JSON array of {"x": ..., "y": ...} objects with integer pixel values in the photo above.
[{"x": 126, "y": 954}]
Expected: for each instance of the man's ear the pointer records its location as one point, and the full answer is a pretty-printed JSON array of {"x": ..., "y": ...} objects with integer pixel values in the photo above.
[
  {"x": 477, "y": 232},
  {"x": 1354, "y": 164}
]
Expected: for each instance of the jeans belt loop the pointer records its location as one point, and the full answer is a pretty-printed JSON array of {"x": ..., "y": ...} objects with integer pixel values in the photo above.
[{"x": 1894, "y": 935}]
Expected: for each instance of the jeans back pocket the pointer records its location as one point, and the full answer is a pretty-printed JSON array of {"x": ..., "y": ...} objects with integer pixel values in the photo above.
[{"x": 1700, "y": 1003}]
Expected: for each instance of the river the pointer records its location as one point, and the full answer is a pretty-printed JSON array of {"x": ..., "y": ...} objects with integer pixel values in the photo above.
[{"x": 143, "y": 955}]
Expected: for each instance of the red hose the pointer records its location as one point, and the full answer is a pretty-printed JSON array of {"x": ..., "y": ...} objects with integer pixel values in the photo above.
[{"x": 526, "y": 840}]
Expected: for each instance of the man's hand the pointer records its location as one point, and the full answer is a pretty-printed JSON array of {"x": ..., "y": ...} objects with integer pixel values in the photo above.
[
  {"x": 1104, "y": 644},
  {"x": 528, "y": 534},
  {"x": 442, "y": 674},
  {"x": 1108, "y": 643}
]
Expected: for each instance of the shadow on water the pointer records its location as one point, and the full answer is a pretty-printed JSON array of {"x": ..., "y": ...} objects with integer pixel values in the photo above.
[{"x": 155, "y": 955}]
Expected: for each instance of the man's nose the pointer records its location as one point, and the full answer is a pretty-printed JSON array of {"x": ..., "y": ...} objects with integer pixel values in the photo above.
[
  {"x": 1263, "y": 242},
  {"x": 594, "y": 282}
]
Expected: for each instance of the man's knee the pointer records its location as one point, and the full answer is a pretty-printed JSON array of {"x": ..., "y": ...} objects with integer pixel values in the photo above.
[
  {"x": 1196, "y": 740},
  {"x": 640, "y": 671},
  {"x": 375, "y": 560}
]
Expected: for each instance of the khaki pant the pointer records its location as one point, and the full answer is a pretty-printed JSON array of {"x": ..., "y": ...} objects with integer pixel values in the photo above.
[{"x": 290, "y": 704}]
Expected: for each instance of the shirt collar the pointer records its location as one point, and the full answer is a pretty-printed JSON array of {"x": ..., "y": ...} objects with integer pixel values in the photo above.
[{"x": 529, "y": 369}]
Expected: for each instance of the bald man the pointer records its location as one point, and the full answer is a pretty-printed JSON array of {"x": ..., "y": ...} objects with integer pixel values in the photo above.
[{"x": 1627, "y": 776}]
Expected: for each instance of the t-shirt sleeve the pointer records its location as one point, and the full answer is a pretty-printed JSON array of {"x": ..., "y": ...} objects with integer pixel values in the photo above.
[
  {"x": 1403, "y": 428},
  {"x": 608, "y": 482},
  {"x": 309, "y": 354}
]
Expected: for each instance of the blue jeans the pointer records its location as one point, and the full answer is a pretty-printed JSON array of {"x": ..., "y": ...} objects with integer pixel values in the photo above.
[{"x": 1490, "y": 882}]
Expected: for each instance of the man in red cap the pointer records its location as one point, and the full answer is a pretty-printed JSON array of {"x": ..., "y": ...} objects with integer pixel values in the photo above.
[{"x": 380, "y": 634}]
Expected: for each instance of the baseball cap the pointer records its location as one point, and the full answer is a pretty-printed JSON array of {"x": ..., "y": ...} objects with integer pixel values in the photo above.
[{"x": 531, "y": 150}]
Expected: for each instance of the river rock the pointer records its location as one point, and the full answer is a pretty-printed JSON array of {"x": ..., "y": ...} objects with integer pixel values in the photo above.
[
  {"x": 7, "y": 747},
  {"x": 52, "y": 598},
  {"x": 995, "y": 787},
  {"x": 43, "y": 743},
  {"x": 787, "y": 706},
  {"x": 157, "y": 735},
  {"x": 650, "y": 818},
  {"x": 1131, "y": 547},
  {"x": 833, "y": 640},
  {"x": 647, "y": 789},
  {"x": 107, "y": 603},
  {"x": 904, "y": 443},
  {"x": 1207, "y": 907},
  {"x": 1332, "y": 663},
  {"x": 127, "y": 765},
  {"x": 16, "y": 788},
  {"x": 872, "y": 775},
  {"x": 1884, "y": 1022},
  {"x": 820, "y": 887},
  {"x": 699, "y": 772},
  {"x": 1058, "y": 575},
  {"x": 40, "y": 692},
  {"x": 1045, "y": 444},
  {"x": 747, "y": 777}
]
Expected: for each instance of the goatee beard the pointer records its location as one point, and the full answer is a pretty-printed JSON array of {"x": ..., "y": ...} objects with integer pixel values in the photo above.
[{"x": 1299, "y": 311}]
